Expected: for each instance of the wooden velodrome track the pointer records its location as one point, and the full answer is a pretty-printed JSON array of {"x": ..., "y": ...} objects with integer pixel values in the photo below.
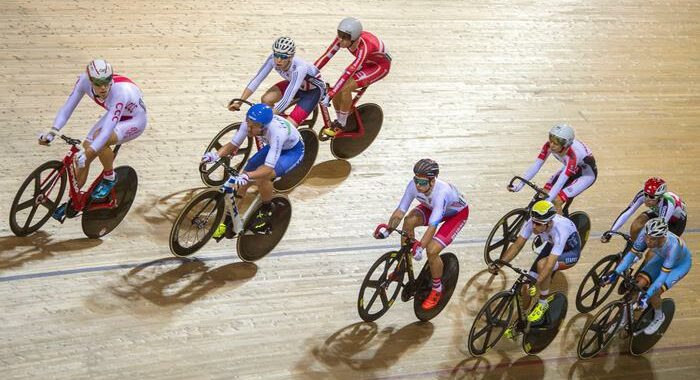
[{"x": 474, "y": 85}]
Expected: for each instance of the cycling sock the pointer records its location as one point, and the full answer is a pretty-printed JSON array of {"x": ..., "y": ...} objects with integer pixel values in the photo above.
[
  {"x": 342, "y": 117},
  {"x": 437, "y": 285},
  {"x": 108, "y": 175}
]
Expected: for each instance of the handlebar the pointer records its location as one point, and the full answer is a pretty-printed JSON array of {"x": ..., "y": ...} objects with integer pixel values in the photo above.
[
  {"x": 240, "y": 100},
  {"x": 203, "y": 168},
  {"x": 624, "y": 235},
  {"x": 522, "y": 272},
  {"x": 540, "y": 191},
  {"x": 69, "y": 140}
]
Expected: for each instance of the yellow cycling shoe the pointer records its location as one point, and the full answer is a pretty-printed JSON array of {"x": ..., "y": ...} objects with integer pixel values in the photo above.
[
  {"x": 220, "y": 231},
  {"x": 509, "y": 334},
  {"x": 538, "y": 312}
]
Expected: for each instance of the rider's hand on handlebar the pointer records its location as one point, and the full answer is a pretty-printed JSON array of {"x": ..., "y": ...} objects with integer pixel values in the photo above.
[
  {"x": 382, "y": 231},
  {"x": 45, "y": 138},
  {"x": 514, "y": 188},
  {"x": 643, "y": 302},
  {"x": 210, "y": 157},
  {"x": 605, "y": 237},
  {"x": 418, "y": 251},
  {"x": 609, "y": 278},
  {"x": 234, "y": 105},
  {"x": 326, "y": 101},
  {"x": 81, "y": 158}
]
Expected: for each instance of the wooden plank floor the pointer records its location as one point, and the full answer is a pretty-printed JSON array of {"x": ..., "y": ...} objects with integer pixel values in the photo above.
[{"x": 474, "y": 85}]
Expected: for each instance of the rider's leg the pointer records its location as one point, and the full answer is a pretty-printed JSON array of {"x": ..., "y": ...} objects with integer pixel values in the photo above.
[
  {"x": 342, "y": 101},
  {"x": 274, "y": 93},
  {"x": 573, "y": 187}
]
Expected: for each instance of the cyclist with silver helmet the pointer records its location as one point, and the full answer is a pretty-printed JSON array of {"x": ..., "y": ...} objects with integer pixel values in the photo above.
[
  {"x": 578, "y": 173},
  {"x": 440, "y": 203},
  {"x": 661, "y": 203},
  {"x": 372, "y": 63},
  {"x": 283, "y": 151},
  {"x": 302, "y": 82},
  {"x": 557, "y": 245},
  {"x": 124, "y": 121},
  {"x": 667, "y": 261}
]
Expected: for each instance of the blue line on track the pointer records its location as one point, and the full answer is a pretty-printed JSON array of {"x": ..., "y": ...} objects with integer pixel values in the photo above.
[{"x": 106, "y": 268}]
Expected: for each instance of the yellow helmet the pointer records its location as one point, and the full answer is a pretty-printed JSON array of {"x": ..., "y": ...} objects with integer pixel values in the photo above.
[{"x": 543, "y": 211}]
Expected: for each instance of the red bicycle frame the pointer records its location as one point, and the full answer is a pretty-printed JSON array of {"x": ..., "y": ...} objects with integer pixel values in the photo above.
[
  {"x": 360, "y": 125},
  {"x": 79, "y": 199}
]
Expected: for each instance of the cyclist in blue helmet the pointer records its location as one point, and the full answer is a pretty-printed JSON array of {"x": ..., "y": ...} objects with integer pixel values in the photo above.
[{"x": 282, "y": 151}]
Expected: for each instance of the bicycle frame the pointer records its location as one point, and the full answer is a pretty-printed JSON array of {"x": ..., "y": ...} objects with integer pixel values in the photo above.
[
  {"x": 81, "y": 199},
  {"x": 360, "y": 125}
]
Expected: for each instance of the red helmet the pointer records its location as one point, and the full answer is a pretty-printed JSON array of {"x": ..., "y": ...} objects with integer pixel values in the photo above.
[{"x": 654, "y": 187}]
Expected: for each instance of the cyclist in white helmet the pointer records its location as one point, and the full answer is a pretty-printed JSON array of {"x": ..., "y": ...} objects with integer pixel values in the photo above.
[
  {"x": 124, "y": 121},
  {"x": 302, "y": 82},
  {"x": 578, "y": 172},
  {"x": 372, "y": 63}
]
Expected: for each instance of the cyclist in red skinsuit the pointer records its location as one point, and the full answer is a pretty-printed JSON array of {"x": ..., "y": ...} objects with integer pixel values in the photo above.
[{"x": 372, "y": 63}]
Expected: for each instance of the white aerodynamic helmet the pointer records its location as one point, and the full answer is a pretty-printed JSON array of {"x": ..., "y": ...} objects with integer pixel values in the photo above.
[
  {"x": 100, "y": 72},
  {"x": 284, "y": 45},
  {"x": 563, "y": 134}
]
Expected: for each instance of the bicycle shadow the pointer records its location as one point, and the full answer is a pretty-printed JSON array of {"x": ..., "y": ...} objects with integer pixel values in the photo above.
[
  {"x": 16, "y": 251},
  {"x": 526, "y": 367},
  {"x": 606, "y": 366},
  {"x": 573, "y": 331},
  {"x": 359, "y": 349},
  {"x": 323, "y": 178},
  {"x": 159, "y": 287}
]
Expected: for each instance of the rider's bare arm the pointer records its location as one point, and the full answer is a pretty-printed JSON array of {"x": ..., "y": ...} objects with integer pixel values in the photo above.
[
  {"x": 396, "y": 218},
  {"x": 227, "y": 150},
  {"x": 428, "y": 236},
  {"x": 514, "y": 249}
]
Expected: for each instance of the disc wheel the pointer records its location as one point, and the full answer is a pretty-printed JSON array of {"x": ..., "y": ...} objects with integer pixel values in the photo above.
[
  {"x": 253, "y": 247},
  {"x": 297, "y": 175},
  {"x": 96, "y": 221},
  {"x": 348, "y": 147}
]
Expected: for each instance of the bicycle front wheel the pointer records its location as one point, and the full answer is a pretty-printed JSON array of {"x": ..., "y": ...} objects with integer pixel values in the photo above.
[
  {"x": 196, "y": 223},
  {"x": 37, "y": 198}
]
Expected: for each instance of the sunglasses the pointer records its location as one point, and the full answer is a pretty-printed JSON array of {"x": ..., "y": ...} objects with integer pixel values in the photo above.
[
  {"x": 539, "y": 223},
  {"x": 281, "y": 55},
  {"x": 422, "y": 182},
  {"x": 101, "y": 82},
  {"x": 652, "y": 197}
]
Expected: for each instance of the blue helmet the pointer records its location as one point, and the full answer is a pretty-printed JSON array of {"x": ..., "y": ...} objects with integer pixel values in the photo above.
[{"x": 260, "y": 113}]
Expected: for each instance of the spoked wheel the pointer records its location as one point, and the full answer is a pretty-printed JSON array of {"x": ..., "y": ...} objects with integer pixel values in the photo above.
[
  {"x": 381, "y": 286},
  {"x": 450, "y": 274},
  {"x": 197, "y": 222},
  {"x": 590, "y": 293},
  {"x": 504, "y": 233},
  {"x": 37, "y": 198},
  {"x": 98, "y": 221},
  {"x": 216, "y": 174},
  {"x": 583, "y": 225},
  {"x": 253, "y": 247},
  {"x": 641, "y": 342},
  {"x": 600, "y": 331},
  {"x": 491, "y": 322},
  {"x": 372, "y": 117},
  {"x": 297, "y": 175}
]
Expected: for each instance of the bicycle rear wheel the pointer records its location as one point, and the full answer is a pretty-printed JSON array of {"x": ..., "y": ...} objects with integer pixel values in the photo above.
[
  {"x": 39, "y": 189},
  {"x": 197, "y": 222}
]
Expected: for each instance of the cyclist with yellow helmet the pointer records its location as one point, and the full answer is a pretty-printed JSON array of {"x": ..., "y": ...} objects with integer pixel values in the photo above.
[{"x": 558, "y": 247}]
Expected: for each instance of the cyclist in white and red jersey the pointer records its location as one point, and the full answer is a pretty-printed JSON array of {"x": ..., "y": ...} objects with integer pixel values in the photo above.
[
  {"x": 124, "y": 121},
  {"x": 578, "y": 173},
  {"x": 661, "y": 203},
  {"x": 302, "y": 82},
  {"x": 440, "y": 202},
  {"x": 372, "y": 63}
]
